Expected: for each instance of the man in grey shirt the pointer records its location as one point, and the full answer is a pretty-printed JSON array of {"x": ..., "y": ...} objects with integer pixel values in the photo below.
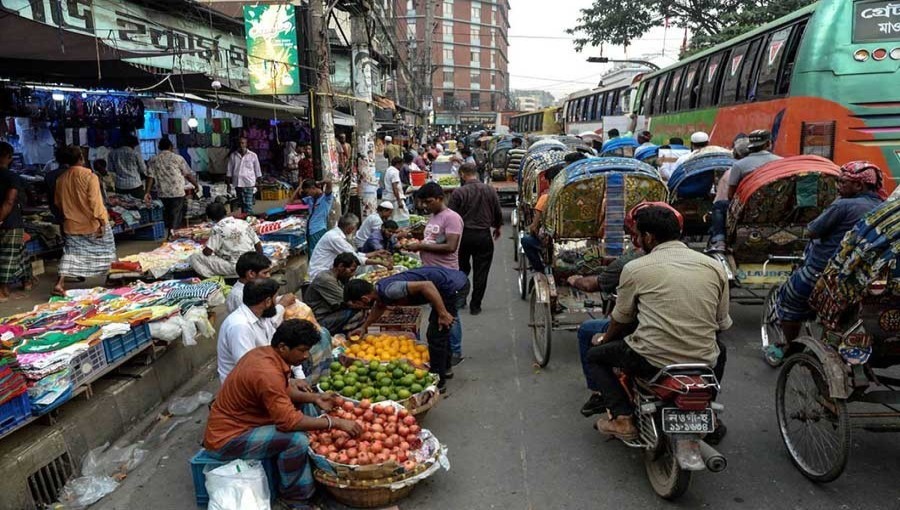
[
  {"x": 759, "y": 143},
  {"x": 127, "y": 163},
  {"x": 325, "y": 296}
]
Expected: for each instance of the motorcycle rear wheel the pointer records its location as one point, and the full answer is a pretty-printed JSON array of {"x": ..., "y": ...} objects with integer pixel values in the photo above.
[{"x": 666, "y": 477}]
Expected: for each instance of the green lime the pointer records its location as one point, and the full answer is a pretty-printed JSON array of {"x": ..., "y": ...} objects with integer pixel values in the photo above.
[
  {"x": 362, "y": 371},
  {"x": 403, "y": 394},
  {"x": 393, "y": 396},
  {"x": 408, "y": 380},
  {"x": 368, "y": 392},
  {"x": 416, "y": 388},
  {"x": 420, "y": 374},
  {"x": 357, "y": 396},
  {"x": 350, "y": 379},
  {"x": 339, "y": 384},
  {"x": 398, "y": 373},
  {"x": 385, "y": 390},
  {"x": 391, "y": 366},
  {"x": 408, "y": 368},
  {"x": 336, "y": 367},
  {"x": 357, "y": 363},
  {"x": 385, "y": 381},
  {"x": 374, "y": 366},
  {"x": 324, "y": 385}
]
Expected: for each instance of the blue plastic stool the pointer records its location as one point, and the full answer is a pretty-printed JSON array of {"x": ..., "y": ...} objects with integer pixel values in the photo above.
[{"x": 202, "y": 461}]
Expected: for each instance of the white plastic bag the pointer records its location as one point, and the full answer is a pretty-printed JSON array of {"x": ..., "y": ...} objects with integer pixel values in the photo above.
[
  {"x": 180, "y": 406},
  {"x": 238, "y": 485}
]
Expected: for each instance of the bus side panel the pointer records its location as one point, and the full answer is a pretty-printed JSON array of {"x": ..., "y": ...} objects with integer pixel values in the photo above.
[{"x": 785, "y": 118}]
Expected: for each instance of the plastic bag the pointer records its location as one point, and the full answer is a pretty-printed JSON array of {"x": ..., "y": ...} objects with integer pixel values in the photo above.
[
  {"x": 199, "y": 316},
  {"x": 84, "y": 491},
  {"x": 238, "y": 485},
  {"x": 112, "y": 462},
  {"x": 181, "y": 406},
  {"x": 167, "y": 330}
]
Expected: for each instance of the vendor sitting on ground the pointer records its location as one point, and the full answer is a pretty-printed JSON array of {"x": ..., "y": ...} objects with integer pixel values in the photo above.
[
  {"x": 336, "y": 241},
  {"x": 254, "y": 417},
  {"x": 250, "y": 266},
  {"x": 373, "y": 222},
  {"x": 230, "y": 238},
  {"x": 383, "y": 239},
  {"x": 859, "y": 188},
  {"x": 325, "y": 295}
]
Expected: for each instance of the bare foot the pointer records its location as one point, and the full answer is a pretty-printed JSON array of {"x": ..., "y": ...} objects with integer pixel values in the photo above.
[{"x": 58, "y": 291}]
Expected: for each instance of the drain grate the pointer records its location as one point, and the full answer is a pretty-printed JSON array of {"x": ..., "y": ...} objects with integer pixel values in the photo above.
[{"x": 46, "y": 483}]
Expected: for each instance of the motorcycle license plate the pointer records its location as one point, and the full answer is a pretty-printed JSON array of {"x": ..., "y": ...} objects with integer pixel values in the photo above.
[{"x": 680, "y": 421}]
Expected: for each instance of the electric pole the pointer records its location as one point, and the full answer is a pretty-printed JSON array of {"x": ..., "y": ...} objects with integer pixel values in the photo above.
[
  {"x": 322, "y": 105},
  {"x": 428, "y": 66},
  {"x": 362, "y": 111}
]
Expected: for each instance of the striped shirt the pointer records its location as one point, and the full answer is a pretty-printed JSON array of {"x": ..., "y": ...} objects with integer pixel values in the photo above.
[{"x": 679, "y": 299}]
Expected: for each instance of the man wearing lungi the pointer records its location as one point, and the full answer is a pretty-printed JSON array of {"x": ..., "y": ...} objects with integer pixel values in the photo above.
[
  {"x": 14, "y": 264},
  {"x": 89, "y": 247}
]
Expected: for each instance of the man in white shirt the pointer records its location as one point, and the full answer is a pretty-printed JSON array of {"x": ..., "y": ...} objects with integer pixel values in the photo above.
[
  {"x": 392, "y": 187},
  {"x": 373, "y": 222},
  {"x": 252, "y": 325},
  {"x": 337, "y": 241},
  {"x": 229, "y": 239},
  {"x": 668, "y": 155},
  {"x": 250, "y": 266},
  {"x": 243, "y": 170},
  {"x": 699, "y": 145}
]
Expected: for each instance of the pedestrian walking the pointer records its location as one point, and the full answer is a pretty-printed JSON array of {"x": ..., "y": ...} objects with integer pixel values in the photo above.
[
  {"x": 14, "y": 264},
  {"x": 243, "y": 170},
  {"x": 89, "y": 247},
  {"x": 169, "y": 171},
  {"x": 127, "y": 163},
  {"x": 479, "y": 206}
]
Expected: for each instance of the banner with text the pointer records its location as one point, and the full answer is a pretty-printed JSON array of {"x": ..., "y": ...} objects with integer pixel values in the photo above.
[{"x": 272, "y": 56}]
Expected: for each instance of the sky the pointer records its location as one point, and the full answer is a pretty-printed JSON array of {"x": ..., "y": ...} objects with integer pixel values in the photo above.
[{"x": 543, "y": 57}]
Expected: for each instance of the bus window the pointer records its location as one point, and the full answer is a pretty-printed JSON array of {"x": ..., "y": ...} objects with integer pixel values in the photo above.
[
  {"x": 689, "y": 87},
  {"x": 746, "y": 90},
  {"x": 616, "y": 102},
  {"x": 732, "y": 74},
  {"x": 712, "y": 76},
  {"x": 659, "y": 99},
  {"x": 674, "y": 90},
  {"x": 647, "y": 99},
  {"x": 590, "y": 108},
  {"x": 774, "y": 50},
  {"x": 598, "y": 106},
  {"x": 787, "y": 68}
]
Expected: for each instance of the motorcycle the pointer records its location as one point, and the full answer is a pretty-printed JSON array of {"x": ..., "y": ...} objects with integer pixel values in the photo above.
[{"x": 674, "y": 411}]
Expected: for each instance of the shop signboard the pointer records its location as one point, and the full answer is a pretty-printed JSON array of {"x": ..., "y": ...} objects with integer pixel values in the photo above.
[
  {"x": 444, "y": 119},
  {"x": 272, "y": 55},
  {"x": 876, "y": 20},
  {"x": 131, "y": 27}
]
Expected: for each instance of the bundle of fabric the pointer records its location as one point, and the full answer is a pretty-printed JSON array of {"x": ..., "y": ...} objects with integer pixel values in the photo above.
[
  {"x": 171, "y": 256},
  {"x": 12, "y": 382},
  {"x": 868, "y": 253},
  {"x": 291, "y": 223}
]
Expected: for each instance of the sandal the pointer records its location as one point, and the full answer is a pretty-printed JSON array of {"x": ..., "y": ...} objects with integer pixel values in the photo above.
[{"x": 774, "y": 355}]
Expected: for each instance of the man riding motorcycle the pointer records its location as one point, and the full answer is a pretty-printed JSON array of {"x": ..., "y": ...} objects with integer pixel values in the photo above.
[{"x": 670, "y": 305}]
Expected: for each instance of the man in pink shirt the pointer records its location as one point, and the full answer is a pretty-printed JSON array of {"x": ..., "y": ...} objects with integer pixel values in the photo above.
[{"x": 440, "y": 247}]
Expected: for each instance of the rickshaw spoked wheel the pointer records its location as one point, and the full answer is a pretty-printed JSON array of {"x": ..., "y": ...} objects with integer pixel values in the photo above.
[
  {"x": 523, "y": 279},
  {"x": 815, "y": 427},
  {"x": 541, "y": 321},
  {"x": 770, "y": 327}
]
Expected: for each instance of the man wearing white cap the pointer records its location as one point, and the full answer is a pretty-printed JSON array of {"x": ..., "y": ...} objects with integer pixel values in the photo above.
[
  {"x": 392, "y": 150},
  {"x": 700, "y": 145},
  {"x": 373, "y": 222}
]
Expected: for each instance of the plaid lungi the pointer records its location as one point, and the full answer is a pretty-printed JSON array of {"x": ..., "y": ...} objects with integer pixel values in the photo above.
[
  {"x": 245, "y": 196},
  {"x": 312, "y": 239},
  {"x": 792, "y": 301},
  {"x": 14, "y": 263},
  {"x": 87, "y": 255},
  {"x": 295, "y": 480}
]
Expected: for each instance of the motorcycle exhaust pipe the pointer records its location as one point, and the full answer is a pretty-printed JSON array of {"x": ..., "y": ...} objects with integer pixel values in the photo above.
[{"x": 715, "y": 461}]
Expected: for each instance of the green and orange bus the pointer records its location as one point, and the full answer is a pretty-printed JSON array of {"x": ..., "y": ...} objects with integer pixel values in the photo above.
[{"x": 824, "y": 80}]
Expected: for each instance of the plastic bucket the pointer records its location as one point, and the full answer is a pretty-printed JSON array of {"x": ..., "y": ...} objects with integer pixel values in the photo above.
[{"x": 417, "y": 178}]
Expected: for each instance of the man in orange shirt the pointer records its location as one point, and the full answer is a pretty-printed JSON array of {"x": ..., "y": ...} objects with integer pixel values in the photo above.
[
  {"x": 253, "y": 416},
  {"x": 89, "y": 247}
]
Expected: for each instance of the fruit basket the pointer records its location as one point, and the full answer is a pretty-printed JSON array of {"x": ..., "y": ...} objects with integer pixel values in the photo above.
[
  {"x": 387, "y": 347},
  {"x": 399, "y": 318},
  {"x": 414, "y": 389}
]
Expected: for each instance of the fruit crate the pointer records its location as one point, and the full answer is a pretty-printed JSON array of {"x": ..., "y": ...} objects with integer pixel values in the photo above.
[
  {"x": 151, "y": 214},
  {"x": 275, "y": 193},
  {"x": 401, "y": 318},
  {"x": 117, "y": 347},
  {"x": 86, "y": 364},
  {"x": 14, "y": 412},
  {"x": 203, "y": 462},
  {"x": 153, "y": 232}
]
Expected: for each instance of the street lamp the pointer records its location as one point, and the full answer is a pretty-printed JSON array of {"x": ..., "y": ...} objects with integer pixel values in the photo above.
[{"x": 604, "y": 60}]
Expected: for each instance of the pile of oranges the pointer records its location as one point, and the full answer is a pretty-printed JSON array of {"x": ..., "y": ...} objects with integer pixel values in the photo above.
[{"x": 387, "y": 347}]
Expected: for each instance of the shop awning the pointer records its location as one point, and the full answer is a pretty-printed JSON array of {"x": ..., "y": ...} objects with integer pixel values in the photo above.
[{"x": 261, "y": 107}]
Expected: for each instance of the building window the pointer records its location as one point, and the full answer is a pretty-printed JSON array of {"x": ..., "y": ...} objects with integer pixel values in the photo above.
[
  {"x": 476, "y": 13},
  {"x": 411, "y": 30},
  {"x": 475, "y": 79},
  {"x": 448, "y": 54},
  {"x": 448, "y": 76},
  {"x": 448, "y": 100},
  {"x": 448, "y": 30},
  {"x": 493, "y": 103},
  {"x": 476, "y": 35},
  {"x": 476, "y": 57},
  {"x": 476, "y": 101},
  {"x": 410, "y": 5},
  {"x": 448, "y": 9}
]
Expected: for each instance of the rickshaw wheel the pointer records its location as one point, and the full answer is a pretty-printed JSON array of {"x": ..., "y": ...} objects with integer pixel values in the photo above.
[
  {"x": 541, "y": 330},
  {"x": 523, "y": 277},
  {"x": 815, "y": 427},
  {"x": 516, "y": 246},
  {"x": 770, "y": 327}
]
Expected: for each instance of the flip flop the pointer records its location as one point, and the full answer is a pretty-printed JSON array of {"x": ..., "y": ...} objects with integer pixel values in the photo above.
[{"x": 57, "y": 293}]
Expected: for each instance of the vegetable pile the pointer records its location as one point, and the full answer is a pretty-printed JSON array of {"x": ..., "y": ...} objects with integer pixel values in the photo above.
[
  {"x": 378, "y": 274},
  {"x": 407, "y": 261},
  {"x": 389, "y": 435},
  {"x": 448, "y": 180},
  {"x": 377, "y": 382}
]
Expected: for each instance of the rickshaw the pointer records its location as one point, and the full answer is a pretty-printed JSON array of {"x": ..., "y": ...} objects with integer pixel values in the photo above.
[
  {"x": 532, "y": 185},
  {"x": 766, "y": 227},
  {"x": 585, "y": 223},
  {"x": 623, "y": 146},
  {"x": 648, "y": 154},
  {"x": 545, "y": 144},
  {"x": 838, "y": 375},
  {"x": 692, "y": 189}
]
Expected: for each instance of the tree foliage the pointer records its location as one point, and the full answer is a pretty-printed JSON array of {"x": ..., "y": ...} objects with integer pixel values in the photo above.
[{"x": 619, "y": 22}]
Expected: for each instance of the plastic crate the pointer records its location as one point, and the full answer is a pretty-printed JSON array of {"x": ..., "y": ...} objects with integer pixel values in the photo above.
[
  {"x": 153, "y": 232},
  {"x": 34, "y": 246},
  {"x": 202, "y": 462},
  {"x": 85, "y": 365},
  {"x": 274, "y": 194},
  {"x": 390, "y": 321},
  {"x": 118, "y": 347},
  {"x": 294, "y": 239},
  {"x": 151, "y": 214},
  {"x": 14, "y": 412}
]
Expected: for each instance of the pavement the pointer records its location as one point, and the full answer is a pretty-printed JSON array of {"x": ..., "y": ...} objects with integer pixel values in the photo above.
[{"x": 516, "y": 439}]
